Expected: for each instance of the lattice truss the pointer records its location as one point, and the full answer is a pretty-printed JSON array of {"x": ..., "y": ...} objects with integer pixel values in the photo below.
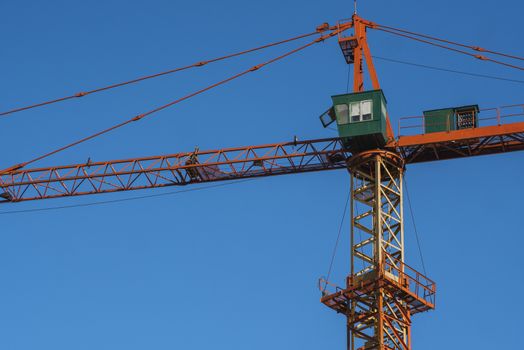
[
  {"x": 377, "y": 318},
  {"x": 491, "y": 144},
  {"x": 175, "y": 169}
]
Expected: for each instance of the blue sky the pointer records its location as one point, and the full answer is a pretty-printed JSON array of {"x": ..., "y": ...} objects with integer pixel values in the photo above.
[{"x": 236, "y": 267}]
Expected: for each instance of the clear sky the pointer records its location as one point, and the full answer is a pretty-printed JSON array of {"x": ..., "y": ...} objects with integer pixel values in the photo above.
[{"x": 236, "y": 267}]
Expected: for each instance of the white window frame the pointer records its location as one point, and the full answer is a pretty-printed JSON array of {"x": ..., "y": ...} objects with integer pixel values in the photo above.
[{"x": 360, "y": 105}]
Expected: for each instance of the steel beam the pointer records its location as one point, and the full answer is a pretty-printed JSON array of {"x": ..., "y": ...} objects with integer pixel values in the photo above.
[
  {"x": 382, "y": 292},
  {"x": 173, "y": 170}
]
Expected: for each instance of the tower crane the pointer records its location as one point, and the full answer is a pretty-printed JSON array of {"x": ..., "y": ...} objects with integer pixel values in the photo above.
[{"x": 381, "y": 293}]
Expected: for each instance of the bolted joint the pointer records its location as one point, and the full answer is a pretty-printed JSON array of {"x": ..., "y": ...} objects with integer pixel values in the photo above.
[
  {"x": 6, "y": 196},
  {"x": 371, "y": 25},
  {"x": 323, "y": 27}
]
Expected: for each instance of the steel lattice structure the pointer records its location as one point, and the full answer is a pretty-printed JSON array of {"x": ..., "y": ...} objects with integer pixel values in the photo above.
[
  {"x": 243, "y": 162},
  {"x": 381, "y": 292},
  {"x": 461, "y": 143},
  {"x": 173, "y": 170}
]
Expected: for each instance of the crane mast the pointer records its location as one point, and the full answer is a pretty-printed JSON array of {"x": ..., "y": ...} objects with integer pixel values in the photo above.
[{"x": 381, "y": 292}]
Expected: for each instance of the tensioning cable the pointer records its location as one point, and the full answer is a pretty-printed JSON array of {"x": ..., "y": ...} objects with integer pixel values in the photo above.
[
  {"x": 158, "y": 109},
  {"x": 320, "y": 29}
]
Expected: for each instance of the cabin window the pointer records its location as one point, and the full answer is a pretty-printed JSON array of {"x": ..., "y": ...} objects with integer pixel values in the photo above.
[
  {"x": 366, "y": 110},
  {"x": 361, "y": 111},
  {"x": 342, "y": 114},
  {"x": 355, "y": 112}
]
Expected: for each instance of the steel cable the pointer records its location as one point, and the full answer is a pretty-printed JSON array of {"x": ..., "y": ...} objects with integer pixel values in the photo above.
[
  {"x": 449, "y": 70},
  {"x": 475, "y": 48},
  {"x": 171, "y": 71},
  {"x": 128, "y": 199},
  {"x": 480, "y": 57},
  {"x": 334, "y": 253},
  {"x": 155, "y": 110},
  {"x": 415, "y": 228}
]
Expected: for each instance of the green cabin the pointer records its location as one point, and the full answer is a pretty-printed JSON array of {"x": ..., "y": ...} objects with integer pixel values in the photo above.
[
  {"x": 453, "y": 118},
  {"x": 361, "y": 119}
]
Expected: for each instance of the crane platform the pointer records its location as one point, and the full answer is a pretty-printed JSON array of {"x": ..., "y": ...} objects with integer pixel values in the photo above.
[
  {"x": 398, "y": 279},
  {"x": 501, "y": 130}
]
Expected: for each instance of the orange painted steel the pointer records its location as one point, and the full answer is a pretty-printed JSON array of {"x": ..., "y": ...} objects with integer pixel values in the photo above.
[
  {"x": 361, "y": 53},
  {"x": 243, "y": 162},
  {"x": 499, "y": 137},
  {"x": 382, "y": 292},
  {"x": 149, "y": 113},
  {"x": 459, "y": 135},
  {"x": 460, "y": 143},
  {"x": 409, "y": 291},
  {"x": 477, "y": 56},
  {"x": 173, "y": 170},
  {"x": 471, "y": 47},
  {"x": 417, "y": 290}
]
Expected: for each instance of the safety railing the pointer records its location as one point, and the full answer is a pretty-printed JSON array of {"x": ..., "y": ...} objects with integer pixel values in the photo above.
[
  {"x": 407, "y": 277},
  {"x": 422, "y": 288},
  {"x": 327, "y": 287},
  {"x": 340, "y": 25},
  {"x": 416, "y": 125}
]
